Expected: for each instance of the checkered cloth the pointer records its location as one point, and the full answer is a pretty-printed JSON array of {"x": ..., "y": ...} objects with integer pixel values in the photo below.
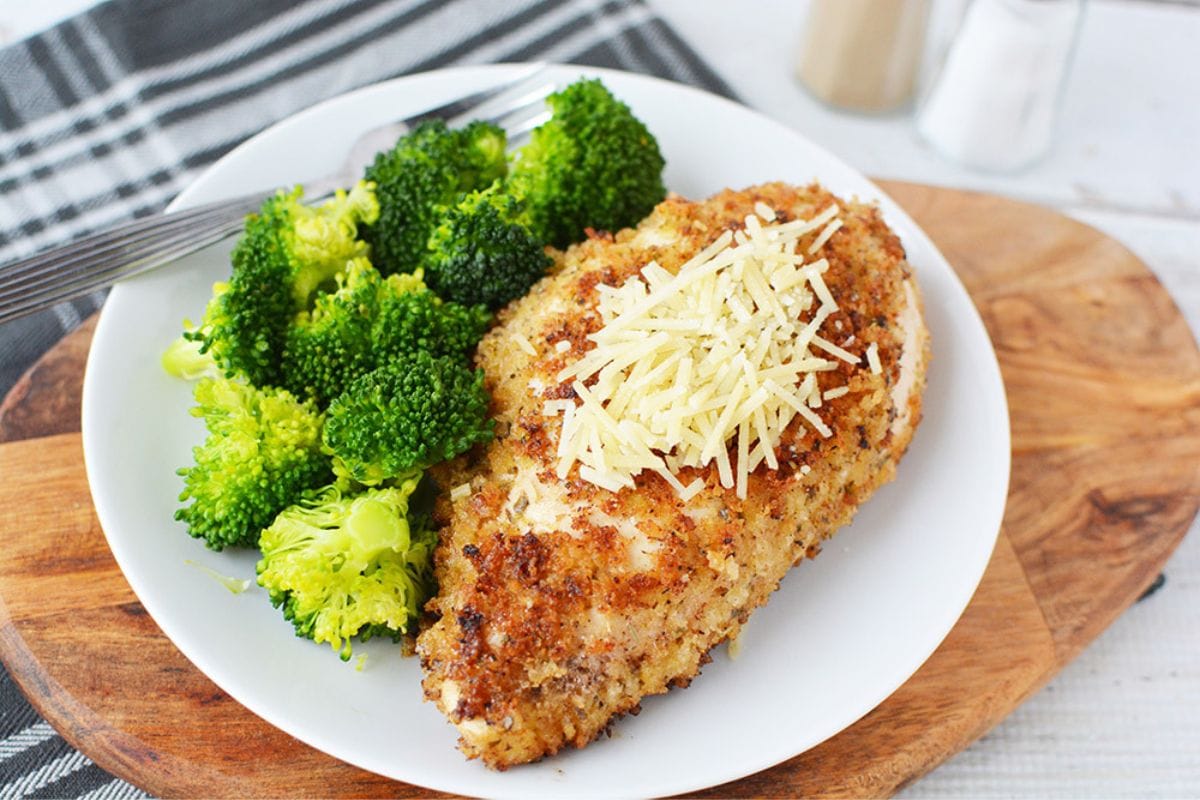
[{"x": 110, "y": 114}]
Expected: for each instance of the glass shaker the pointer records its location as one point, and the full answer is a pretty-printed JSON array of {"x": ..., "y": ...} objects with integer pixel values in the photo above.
[
  {"x": 993, "y": 102},
  {"x": 862, "y": 55}
]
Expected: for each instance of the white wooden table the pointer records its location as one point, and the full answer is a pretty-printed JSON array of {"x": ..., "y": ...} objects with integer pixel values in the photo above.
[{"x": 1124, "y": 719}]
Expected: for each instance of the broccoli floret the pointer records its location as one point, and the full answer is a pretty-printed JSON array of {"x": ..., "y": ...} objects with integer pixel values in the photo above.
[
  {"x": 368, "y": 322},
  {"x": 330, "y": 345},
  {"x": 184, "y": 359},
  {"x": 408, "y": 415},
  {"x": 287, "y": 252},
  {"x": 428, "y": 168},
  {"x": 592, "y": 165},
  {"x": 344, "y": 566},
  {"x": 262, "y": 452},
  {"x": 480, "y": 253},
  {"x": 413, "y": 319}
]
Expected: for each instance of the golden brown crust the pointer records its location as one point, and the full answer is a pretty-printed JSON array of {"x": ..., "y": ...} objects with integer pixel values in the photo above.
[{"x": 563, "y": 604}]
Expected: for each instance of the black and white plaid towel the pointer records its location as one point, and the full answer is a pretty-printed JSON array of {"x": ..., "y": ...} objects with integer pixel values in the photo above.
[{"x": 110, "y": 114}]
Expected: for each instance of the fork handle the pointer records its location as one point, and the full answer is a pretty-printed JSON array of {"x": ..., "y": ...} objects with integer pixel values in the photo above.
[{"x": 101, "y": 259}]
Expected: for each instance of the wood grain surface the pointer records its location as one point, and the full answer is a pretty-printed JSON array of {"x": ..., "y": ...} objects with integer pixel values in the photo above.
[{"x": 1103, "y": 382}]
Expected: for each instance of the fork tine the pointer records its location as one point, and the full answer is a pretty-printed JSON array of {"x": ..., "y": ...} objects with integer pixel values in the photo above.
[
  {"x": 452, "y": 112},
  {"x": 519, "y": 129},
  {"x": 527, "y": 88},
  {"x": 512, "y": 115},
  {"x": 523, "y": 115},
  {"x": 524, "y": 98},
  {"x": 530, "y": 97}
]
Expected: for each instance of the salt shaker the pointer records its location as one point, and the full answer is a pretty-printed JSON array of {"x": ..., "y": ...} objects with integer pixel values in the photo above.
[{"x": 993, "y": 103}]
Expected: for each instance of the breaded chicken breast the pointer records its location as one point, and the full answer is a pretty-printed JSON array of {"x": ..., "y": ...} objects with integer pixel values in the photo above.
[{"x": 563, "y": 604}]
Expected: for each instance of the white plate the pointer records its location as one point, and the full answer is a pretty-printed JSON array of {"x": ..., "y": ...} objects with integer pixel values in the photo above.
[{"x": 842, "y": 633}]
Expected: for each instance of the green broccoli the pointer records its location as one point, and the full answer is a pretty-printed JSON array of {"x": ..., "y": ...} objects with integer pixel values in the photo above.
[
  {"x": 184, "y": 359},
  {"x": 368, "y": 322},
  {"x": 414, "y": 319},
  {"x": 415, "y": 412},
  {"x": 428, "y": 168},
  {"x": 287, "y": 252},
  {"x": 344, "y": 566},
  {"x": 262, "y": 452},
  {"x": 480, "y": 253},
  {"x": 326, "y": 347},
  {"x": 592, "y": 165}
]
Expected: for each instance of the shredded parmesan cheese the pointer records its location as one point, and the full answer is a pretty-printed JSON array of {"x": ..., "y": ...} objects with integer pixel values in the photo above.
[
  {"x": 460, "y": 491},
  {"x": 692, "y": 489},
  {"x": 873, "y": 358},
  {"x": 764, "y": 211},
  {"x": 734, "y": 648},
  {"x": 717, "y": 353},
  {"x": 524, "y": 344},
  {"x": 828, "y": 231}
]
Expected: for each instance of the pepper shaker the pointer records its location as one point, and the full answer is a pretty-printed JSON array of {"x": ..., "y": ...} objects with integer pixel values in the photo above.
[{"x": 862, "y": 55}]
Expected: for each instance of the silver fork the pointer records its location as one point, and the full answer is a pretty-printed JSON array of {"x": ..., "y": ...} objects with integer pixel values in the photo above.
[{"x": 101, "y": 259}]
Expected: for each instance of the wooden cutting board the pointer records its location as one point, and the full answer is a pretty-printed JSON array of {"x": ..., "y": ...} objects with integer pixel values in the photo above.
[{"x": 1103, "y": 382}]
